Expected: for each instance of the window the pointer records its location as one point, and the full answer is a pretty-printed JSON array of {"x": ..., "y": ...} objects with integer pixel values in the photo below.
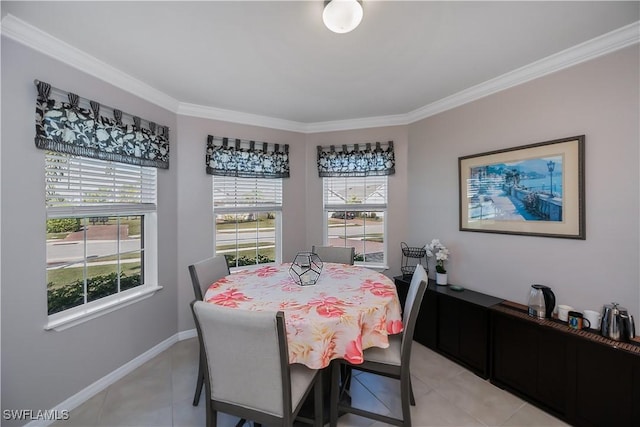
[
  {"x": 247, "y": 214},
  {"x": 100, "y": 225},
  {"x": 355, "y": 216}
]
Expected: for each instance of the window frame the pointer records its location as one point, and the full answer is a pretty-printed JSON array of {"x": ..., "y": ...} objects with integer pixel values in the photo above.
[
  {"x": 149, "y": 248},
  {"x": 358, "y": 207},
  {"x": 276, "y": 207}
]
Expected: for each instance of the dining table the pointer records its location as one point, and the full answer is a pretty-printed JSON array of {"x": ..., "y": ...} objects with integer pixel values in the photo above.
[{"x": 349, "y": 309}]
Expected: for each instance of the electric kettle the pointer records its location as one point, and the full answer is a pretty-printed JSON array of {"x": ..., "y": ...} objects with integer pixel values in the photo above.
[
  {"x": 542, "y": 301},
  {"x": 617, "y": 323}
]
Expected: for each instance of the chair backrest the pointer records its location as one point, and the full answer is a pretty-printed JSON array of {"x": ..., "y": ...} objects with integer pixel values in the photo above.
[
  {"x": 246, "y": 357},
  {"x": 412, "y": 304},
  {"x": 207, "y": 271},
  {"x": 335, "y": 254}
]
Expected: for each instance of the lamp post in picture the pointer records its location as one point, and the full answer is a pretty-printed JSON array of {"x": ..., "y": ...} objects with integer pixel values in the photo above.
[{"x": 551, "y": 165}]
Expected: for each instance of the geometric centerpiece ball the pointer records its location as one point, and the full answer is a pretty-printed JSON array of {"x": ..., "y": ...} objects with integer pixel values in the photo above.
[{"x": 305, "y": 268}]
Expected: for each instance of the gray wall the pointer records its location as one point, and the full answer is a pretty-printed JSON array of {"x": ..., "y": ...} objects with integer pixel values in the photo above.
[
  {"x": 598, "y": 99},
  {"x": 42, "y": 368},
  {"x": 195, "y": 192},
  {"x": 397, "y": 229},
  {"x": 302, "y": 199},
  {"x": 302, "y": 213}
]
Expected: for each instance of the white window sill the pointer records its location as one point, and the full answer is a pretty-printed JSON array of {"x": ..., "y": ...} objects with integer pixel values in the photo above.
[
  {"x": 380, "y": 268},
  {"x": 76, "y": 317}
]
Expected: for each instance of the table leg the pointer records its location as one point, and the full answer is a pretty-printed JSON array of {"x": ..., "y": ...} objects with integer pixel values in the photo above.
[{"x": 307, "y": 407}]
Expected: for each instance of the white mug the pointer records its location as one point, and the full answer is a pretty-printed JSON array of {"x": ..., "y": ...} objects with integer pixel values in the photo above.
[
  {"x": 563, "y": 312},
  {"x": 593, "y": 317}
]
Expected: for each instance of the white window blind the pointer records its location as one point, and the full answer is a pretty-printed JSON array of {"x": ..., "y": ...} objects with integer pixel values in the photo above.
[
  {"x": 233, "y": 194},
  {"x": 355, "y": 193},
  {"x": 78, "y": 186}
]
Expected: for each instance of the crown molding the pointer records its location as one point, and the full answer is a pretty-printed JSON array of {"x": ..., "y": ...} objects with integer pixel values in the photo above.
[
  {"x": 45, "y": 43},
  {"x": 205, "y": 112},
  {"x": 40, "y": 41},
  {"x": 591, "y": 49},
  {"x": 360, "y": 123}
]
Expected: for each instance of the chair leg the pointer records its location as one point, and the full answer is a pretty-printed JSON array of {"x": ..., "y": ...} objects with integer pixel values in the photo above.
[
  {"x": 317, "y": 402},
  {"x": 212, "y": 416},
  {"x": 335, "y": 390},
  {"x": 406, "y": 394},
  {"x": 413, "y": 399},
  {"x": 199, "y": 385},
  {"x": 346, "y": 372}
]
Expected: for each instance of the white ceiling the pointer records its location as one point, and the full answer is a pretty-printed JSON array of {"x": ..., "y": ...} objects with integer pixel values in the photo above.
[{"x": 276, "y": 59}]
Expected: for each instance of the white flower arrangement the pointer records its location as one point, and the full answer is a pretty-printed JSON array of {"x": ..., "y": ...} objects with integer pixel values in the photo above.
[{"x": 441, "y": 253}]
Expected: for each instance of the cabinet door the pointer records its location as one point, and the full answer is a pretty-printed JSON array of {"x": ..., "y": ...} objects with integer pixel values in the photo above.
[
  {"x": 449, "y": 325},
  {"x": 426, "y": 332},
  {"x": 473, "y": 336},
  {"x": 604, "y": 386},
  {"x": 515, "y": 354},
  {"x": 636, "y": 390},
  {"x": 552, "y": 385}
]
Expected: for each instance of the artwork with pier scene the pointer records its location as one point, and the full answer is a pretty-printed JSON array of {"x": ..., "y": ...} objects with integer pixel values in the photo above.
[
  {"x": 524, "y": 190},
  {"x": 535, "y": 189}
]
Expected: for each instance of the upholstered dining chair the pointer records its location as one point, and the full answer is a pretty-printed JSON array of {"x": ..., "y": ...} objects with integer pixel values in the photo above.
[
  {"x": 392, "y": 361},
  {"x": 248, "y": 374},
  {"x": 335, "y": 254},
  {"x": 203, "y": 274}
]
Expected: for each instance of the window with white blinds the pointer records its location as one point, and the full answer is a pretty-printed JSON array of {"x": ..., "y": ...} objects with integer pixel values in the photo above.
[
  {"x": 100, "y": 216},
  {"x": 359, "y": 193},
  {"x": 231, "y": 194},
  {"x": 83, "y": 186},
  {"x": 247, "y": 215},
  {"x": 355, "y": 216}
]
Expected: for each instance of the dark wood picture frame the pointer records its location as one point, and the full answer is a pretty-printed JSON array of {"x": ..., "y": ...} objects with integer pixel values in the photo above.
[{"x": 532, "y": 190}]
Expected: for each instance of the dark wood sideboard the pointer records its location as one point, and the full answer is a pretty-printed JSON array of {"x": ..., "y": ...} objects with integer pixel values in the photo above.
[
  {"x": 454, "y": 323},
  {"x": 580, "y": 377}
]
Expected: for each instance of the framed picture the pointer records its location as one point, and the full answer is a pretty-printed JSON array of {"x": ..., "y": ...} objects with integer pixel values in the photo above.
[{"x": 534, "y": 190}]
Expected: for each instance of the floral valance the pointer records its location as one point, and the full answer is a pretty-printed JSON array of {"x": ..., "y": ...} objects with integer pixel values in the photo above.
[
  {"x": 76, "y": 127},
  {"x": 246, "y": 159},
  {"x": 360, "y": 160}
]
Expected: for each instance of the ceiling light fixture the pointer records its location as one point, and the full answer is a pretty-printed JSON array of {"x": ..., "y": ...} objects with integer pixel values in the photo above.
[{"x": 342, "y": 16}]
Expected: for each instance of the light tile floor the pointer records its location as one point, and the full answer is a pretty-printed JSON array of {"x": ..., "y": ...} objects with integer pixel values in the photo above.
[{"x": 160, "y": 393}]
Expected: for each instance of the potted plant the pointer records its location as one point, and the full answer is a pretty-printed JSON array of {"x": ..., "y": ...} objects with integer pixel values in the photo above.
[{"x": 442, "y": 254}]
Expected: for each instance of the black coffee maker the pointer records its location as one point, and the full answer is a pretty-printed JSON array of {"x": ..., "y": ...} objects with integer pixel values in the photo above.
[{"x": 542, "y": 301}]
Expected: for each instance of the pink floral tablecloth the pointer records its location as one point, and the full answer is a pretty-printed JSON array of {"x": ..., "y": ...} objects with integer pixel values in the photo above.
[{"x": 348, "y": 310}]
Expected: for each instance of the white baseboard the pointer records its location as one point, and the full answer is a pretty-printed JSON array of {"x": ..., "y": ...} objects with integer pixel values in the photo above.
[
  {"x": 104, "y": 382},
  {"x": 185, "y": 335}
]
